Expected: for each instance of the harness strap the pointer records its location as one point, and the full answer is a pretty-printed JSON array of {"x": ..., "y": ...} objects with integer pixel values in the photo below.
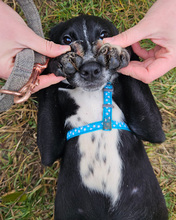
[
  {"x": 25, "y": 59},
  {"x": 107, "y": 107},
  {"x": 107, "y": 123},
  {"x": 95, "y": 127}
]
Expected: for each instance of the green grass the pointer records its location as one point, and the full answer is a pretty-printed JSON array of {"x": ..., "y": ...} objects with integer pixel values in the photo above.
[{"x": 27, "y": 189}]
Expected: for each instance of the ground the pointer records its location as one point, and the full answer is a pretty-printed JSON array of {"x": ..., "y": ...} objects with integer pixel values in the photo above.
[{"x": 27, "y": 189}]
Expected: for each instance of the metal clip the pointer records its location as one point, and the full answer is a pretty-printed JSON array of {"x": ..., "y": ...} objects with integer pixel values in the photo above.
[{"x": 25, "y": 92}]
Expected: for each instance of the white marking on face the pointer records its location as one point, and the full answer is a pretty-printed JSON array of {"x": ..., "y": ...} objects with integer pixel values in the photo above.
[
  {"x": 100, "y": 162},
  {"x": 86, "y": 35},
  {"x": 88, "y": 56}
]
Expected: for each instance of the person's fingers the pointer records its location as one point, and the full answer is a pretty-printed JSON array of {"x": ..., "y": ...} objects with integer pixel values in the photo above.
[
  {"x": 143, "y": 53},
  {"x": 46, "y": 47},
  {"x": 47, "y": 80},
  {"x": 29, "y": 39},
  {"x": 148, "y": 70},
  {"x": 128, "y": 37}
]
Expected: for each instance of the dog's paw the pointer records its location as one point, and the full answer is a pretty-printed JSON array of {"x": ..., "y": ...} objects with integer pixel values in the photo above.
[
  {"x": 113, "y": 57},
  {"x": 70, "y": 62},
  {"x": 66, "y": 64}
]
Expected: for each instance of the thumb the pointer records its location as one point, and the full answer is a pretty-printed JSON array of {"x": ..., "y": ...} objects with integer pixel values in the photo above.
[
  {"x": 128, "y": 37},
  {"x": 45, "y": 47},
  {"x": 47, "y": 80}
]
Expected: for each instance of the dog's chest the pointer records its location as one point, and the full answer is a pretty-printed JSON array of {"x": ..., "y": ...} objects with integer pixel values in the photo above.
[{"x": 100, "y": 163}]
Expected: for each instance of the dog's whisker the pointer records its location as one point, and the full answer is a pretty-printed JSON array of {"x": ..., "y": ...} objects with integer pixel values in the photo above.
[{"x": 74, "y": 65}]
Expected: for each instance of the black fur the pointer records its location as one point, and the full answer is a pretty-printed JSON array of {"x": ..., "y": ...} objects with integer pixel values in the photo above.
[{"x": 73, "y": 200}]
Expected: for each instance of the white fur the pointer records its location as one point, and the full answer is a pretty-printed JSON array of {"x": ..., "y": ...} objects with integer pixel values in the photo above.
[
  {"x": 100, "y": 163},
  {"x": 88, "y": 56},
  {"x": 134, "y": 190},
  {"x": 86, "y": 36}
]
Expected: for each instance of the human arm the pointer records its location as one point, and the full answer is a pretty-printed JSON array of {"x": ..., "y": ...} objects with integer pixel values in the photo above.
[
  {"x": 158, "y": 25},
  {"x": 15, "y": 35}
]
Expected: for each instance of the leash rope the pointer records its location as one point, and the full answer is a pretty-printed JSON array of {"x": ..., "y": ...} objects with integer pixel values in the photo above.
[{"x": 107, "y": 124}]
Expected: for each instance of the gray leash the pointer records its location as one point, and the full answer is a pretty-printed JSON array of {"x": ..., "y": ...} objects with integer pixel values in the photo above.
[{"x": 25, "y": 59}]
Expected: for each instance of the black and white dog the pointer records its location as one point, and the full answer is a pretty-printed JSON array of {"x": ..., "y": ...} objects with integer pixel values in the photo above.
[{"x": 105, "y": 173}]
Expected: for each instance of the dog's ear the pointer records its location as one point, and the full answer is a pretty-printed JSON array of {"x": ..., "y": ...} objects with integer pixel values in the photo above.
[
  {"x": 140, "y": 110},
  {"x": 50, "y": 133}
]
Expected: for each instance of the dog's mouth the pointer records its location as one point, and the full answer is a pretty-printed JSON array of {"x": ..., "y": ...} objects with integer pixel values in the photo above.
[
  {"x": 90, "y": 82},
  {"x": 90, "y": 70}
]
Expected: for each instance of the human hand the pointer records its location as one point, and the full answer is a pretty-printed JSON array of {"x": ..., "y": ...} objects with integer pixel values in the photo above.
[
  {"x": 15, "y": 35},
  {"x": 158, "y": 25}
]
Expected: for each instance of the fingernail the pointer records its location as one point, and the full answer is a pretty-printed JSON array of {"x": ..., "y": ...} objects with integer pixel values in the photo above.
[
  {"x": 65, "y": 48},
  {"x": 108, "y": 40}
]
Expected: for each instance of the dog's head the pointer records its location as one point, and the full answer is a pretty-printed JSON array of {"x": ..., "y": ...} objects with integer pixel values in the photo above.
[{"x": 90, "y": 64}]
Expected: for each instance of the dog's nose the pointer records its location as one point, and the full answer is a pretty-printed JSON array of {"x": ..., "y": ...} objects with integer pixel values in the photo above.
[{"x": 90, "y": 70}]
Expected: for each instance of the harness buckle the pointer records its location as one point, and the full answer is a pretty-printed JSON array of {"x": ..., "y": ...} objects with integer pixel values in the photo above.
[{"x": 107, "y": 126}]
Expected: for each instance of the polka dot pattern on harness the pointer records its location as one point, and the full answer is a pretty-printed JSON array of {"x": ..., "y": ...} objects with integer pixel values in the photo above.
[
  {"x": 95, "y": 127},
  {"x": 107, "y": 107},
  {"x": 106, "y": 124}
]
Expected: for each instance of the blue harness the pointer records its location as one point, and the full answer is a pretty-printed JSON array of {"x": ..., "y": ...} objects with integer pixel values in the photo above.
[{"x": 107, "y": 123}]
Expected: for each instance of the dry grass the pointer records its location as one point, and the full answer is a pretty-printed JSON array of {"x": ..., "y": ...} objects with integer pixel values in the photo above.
[{"x": 27, "y": 189}]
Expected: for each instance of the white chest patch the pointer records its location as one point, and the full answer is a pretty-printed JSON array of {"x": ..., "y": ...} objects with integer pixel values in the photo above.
[{"x": 100, "y": 163}]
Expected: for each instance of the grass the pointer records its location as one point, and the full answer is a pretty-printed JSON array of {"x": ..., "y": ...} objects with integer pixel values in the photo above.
[{"x": 27, "y": 189}]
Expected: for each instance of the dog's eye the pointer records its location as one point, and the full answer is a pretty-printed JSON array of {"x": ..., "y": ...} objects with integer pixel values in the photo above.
[
  {"x": 67, "y": 40},
  {"x": 103, "y": 34}
]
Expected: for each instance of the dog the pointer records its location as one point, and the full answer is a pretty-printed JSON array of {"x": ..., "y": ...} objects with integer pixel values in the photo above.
[{"x": 105, "y": 173}]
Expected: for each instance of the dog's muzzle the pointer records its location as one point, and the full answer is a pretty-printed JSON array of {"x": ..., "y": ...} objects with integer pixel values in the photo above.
[{"x": 92, "y": 69}]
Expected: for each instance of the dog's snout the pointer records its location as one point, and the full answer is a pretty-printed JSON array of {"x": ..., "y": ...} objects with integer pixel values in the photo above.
[{"x": 90, "y": 70}]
